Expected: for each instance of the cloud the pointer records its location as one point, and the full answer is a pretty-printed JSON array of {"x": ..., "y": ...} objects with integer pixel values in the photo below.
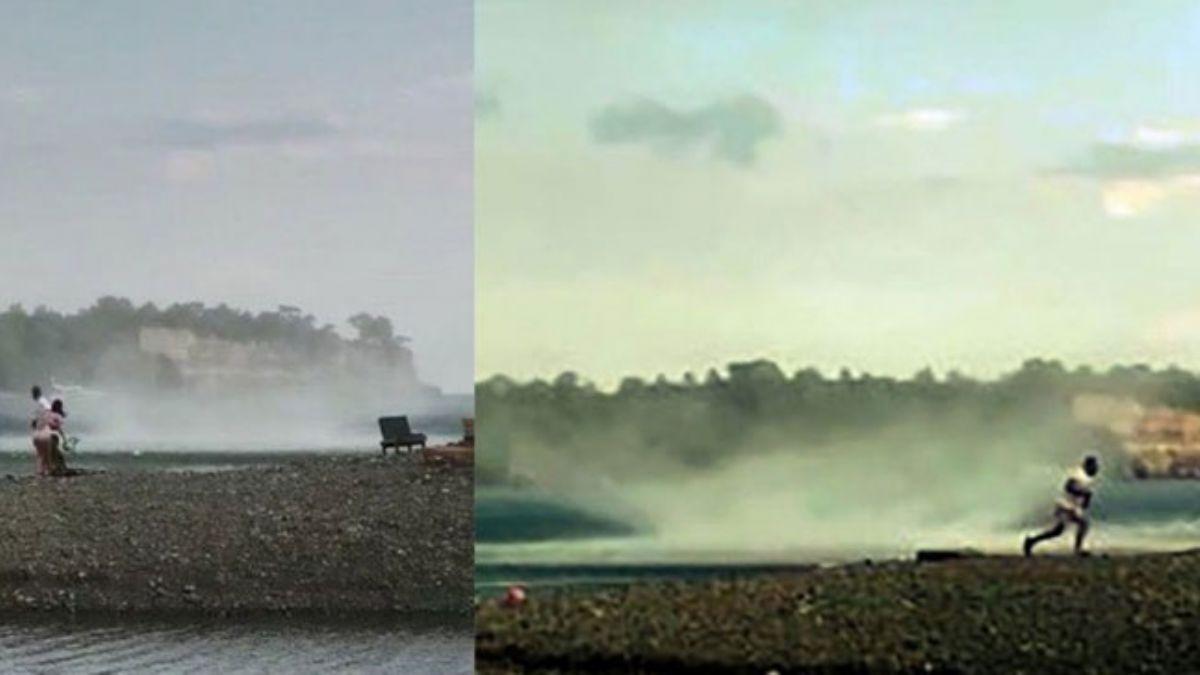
[
  {"x": 1129, "y": 198},
  {"x": 732, "y": 128},
  {"x": 205, "y": 146},
  {"x": 1126, "y": 160},
  {"x": 1143, "y": 168},
  {"x": 188, "y": 166},
  {"x": 1177, "y": 327},
  {"x": 23, "y": 96},
  {"x": 193, "y": 148},
  {"x": 1145, "y": 151},
  {"x": 487, "y": 105},
  {"x": 922, "y": 119},
  {"x": 209, "y": 135},
  {"x": 1160, "y": 138}
]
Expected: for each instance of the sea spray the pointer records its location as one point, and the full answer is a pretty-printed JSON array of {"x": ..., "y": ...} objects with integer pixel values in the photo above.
[{"x": 895, "y": 488}]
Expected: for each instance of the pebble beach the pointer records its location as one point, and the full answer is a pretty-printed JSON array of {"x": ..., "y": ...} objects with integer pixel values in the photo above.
[
  {"x": 316, "y": 535},
  {"x": 992, "y": 614}
]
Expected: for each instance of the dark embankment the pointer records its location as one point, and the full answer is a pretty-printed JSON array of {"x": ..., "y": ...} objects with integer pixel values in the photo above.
[
  {"x": 990, "y": 615},
  {"x": 315, "y": 535}
]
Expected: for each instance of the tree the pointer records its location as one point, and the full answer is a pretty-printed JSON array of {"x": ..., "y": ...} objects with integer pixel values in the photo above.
[
  {"x": 102, "y": 341},
  {"x": 643, "y": 424},
  {"x": 372, "y": 329}
]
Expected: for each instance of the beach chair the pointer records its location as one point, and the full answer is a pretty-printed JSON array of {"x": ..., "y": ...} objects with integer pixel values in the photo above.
[{"x": 396, "y": 433}]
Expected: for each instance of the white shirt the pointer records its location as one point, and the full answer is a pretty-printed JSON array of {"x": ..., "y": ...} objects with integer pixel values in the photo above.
[
  {"x": 1082, "y": 481},
  {"x": 40, "y": 405}
]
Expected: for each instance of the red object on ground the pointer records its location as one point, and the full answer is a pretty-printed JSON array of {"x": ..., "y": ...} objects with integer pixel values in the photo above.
[{"x": 514, "y": 596}]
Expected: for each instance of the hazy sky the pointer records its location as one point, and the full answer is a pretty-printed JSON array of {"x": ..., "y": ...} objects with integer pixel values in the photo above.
[
  {"x": 665, "y": 187},
  {"x": 255, "y": 153}
]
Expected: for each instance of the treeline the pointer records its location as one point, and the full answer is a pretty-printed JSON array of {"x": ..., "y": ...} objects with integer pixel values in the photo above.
[
  {"x": 700, "y": 422},
  {"x": 79, "y": 347}
]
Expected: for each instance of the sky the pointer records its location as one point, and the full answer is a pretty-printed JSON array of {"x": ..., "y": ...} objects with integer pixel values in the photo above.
[
  {"x": 669, "y": 187},
  {"x": 257, "y": 154}
]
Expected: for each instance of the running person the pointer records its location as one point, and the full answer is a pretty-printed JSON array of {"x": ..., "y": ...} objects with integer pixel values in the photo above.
[{"x": 1071, "y": 507}]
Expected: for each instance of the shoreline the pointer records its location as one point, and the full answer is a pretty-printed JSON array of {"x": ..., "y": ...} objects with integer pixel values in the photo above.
[
  {"x": 318, "y": 536},
  {"x": 1122, "y": 613},
  {"x": 345, "y": 618}
]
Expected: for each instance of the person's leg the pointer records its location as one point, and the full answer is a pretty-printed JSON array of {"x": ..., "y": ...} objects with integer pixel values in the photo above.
[
  {"x": 1081, "y": 530},
  {"x": 41, "y": 451},
  {"x": 61, "y": 455},
  {"x": 1038, "y": 538},
  {"x": 57, "y": 461}
]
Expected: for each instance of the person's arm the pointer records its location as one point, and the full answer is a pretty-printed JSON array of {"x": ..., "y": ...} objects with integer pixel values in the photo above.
[{"x": 1074, "y": 489}]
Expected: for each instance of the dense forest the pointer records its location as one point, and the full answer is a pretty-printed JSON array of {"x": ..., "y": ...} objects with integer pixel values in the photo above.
[
  {"x": 753, "y": 406},
  {"x": 100, "y": 342}
]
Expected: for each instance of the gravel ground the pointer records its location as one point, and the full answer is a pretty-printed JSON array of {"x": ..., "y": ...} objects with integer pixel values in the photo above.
[
  {"x": 322, "y": 535},
  {"x": 989, "y": 615}
]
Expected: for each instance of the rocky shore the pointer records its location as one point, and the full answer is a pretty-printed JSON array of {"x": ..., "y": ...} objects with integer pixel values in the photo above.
[
  {"x": 1128, "y": 614},
  {"x": 316, "y": 535}
]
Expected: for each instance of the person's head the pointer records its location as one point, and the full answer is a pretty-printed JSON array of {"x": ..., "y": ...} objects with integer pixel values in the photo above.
[
  {"x": 57, "y": 406},
  {"x": 36, "y": 391},
  {"x": 1091, "y": 465}
]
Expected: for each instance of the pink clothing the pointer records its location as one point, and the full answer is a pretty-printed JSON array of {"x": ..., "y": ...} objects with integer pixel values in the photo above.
[
  {"x": 46, "y": 435},
  {"x": 49, "y": 419},
  {"x": 43, "y": 445}
]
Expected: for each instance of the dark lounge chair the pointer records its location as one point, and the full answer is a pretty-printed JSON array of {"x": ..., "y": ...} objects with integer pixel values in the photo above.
[{"x": 396, "y": 433}]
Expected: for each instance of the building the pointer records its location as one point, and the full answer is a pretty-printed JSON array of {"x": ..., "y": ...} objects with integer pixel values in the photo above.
[{"x": 1160, "y": 442}]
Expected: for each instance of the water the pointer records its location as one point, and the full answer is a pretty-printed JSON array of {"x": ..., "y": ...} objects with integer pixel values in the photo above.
[
  {"x": 92, "y": 645},
  {"x": 107, "y": 454}
]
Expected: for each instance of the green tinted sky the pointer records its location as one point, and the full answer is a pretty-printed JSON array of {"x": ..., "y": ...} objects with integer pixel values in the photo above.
[{"x": 669, "y": 186}]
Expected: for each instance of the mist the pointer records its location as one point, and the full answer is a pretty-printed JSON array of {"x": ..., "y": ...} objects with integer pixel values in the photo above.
[
  {"x": 335, "y": 417},
  {"x": 916, "y": 488},
  {"x": 906, "y": 486},
  {"x": 310, "y": 419},
  {"x": 194, "y": 377},
  {"x": 758, "y": 465}
]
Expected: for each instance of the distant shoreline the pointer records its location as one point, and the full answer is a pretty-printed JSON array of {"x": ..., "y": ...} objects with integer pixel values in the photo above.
[
  {"x": 320, "y": 536},
  {"x": 989, "y": 614}
]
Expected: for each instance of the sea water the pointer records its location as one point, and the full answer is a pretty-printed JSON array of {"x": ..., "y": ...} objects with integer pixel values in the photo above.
[{"x": 284, "y": 645}]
